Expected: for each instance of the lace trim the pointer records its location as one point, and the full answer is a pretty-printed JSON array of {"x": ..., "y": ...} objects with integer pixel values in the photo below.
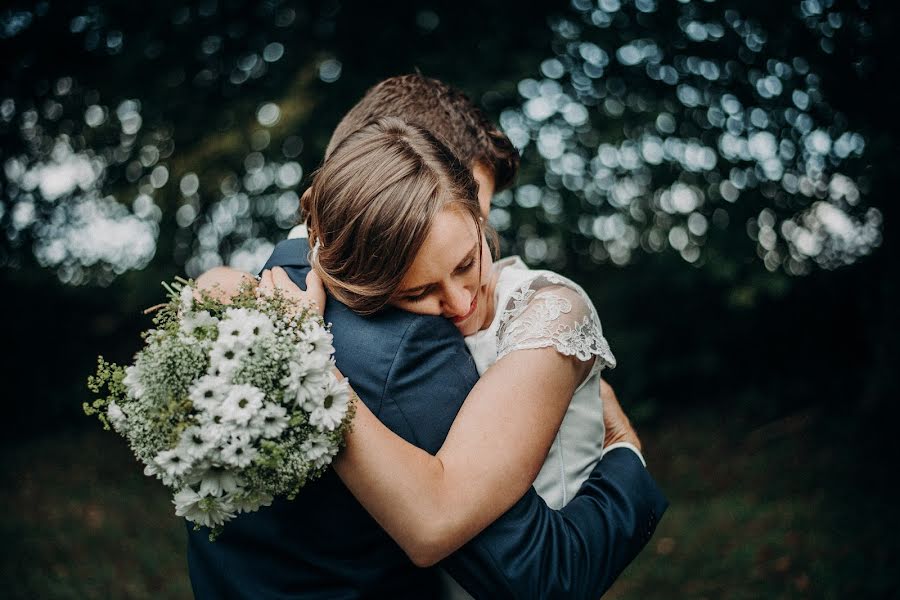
[{"x": 532, "y": 320}]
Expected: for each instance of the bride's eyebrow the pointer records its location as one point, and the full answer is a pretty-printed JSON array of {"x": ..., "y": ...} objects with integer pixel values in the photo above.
[{"x": 418, "y": 288}]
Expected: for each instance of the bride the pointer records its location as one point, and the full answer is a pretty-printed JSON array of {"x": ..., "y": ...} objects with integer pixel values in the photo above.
[{"x": 393, "y": 220}]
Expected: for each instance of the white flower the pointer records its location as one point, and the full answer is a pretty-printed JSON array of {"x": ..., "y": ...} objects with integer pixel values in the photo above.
[
  {"x": 225, "y": 359},
  {"x": 242, "y": 402},
  {"x": 239, "y": 452},
  {"x": 258, "y": 325},
  {"x": 192, "y": 321},
  {"x": 271, "y": 420},
  {"x": 152, "y": 470},
  {"x": 291, "y": 381},
  {"x": 311, "y": 389},
  {"x": 242, "y": 326},
  {"x": 217, "y": 481},
  {"x": 208, "y": 392},
  {"x": 132, "y": 381},
  {"x": 319, "y": 338},
  {"x": 196, "y": 443},
  {"x": 115, "y": 415},
  {"x": 318, "y": 449},
  {"x": 247, "y": 501},
  {"x": 186, "y": 297},
  {"x": 208, "y": 511},
  {"x": 317, "y": 362},
  {"x": 326, "y": 411},
  {"x": 173, "y": 463},
  {"x": 214, "y": 420}
]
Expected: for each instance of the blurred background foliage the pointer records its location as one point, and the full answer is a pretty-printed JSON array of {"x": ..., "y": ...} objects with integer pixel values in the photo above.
[{"x": 717, "y": 174}]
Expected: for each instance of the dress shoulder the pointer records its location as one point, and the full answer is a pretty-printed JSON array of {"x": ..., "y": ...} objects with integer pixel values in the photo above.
[{"x": 542, "y": 309}]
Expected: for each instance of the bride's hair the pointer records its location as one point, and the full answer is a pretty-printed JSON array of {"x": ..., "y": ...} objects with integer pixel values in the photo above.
[{"x": 371, "y": 205}]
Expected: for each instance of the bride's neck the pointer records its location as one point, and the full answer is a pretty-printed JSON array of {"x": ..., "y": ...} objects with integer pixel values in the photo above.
[{"x": 491, "y": 298}]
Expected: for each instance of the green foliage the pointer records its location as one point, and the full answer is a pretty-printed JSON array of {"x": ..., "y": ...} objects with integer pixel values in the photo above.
[{"x": 108, "y": 381}]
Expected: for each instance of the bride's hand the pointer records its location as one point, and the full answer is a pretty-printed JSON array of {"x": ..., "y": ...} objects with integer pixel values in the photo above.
[{"x": 277, "y": 278}]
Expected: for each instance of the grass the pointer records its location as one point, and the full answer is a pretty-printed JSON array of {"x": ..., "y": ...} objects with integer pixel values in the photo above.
[{"x": 798, "y": 508}]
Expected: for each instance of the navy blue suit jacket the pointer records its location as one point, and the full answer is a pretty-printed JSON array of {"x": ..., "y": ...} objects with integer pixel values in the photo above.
[{"x": 414, "y": 373}]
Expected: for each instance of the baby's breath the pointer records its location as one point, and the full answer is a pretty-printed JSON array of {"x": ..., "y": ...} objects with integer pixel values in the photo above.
[{"x": 229, "y": 405}]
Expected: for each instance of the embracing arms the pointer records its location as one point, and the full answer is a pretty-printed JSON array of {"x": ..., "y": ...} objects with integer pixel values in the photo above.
[
  {"x": 431, "y": 505},
  {"x": 532, "y": 551}
]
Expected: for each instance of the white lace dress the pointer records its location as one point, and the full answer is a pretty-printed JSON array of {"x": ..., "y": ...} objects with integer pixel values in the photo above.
[{"x": 540, "y": 309}]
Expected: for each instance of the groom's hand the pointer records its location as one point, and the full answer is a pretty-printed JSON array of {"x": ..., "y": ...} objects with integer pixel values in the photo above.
[{"x": 618, "y": 427}]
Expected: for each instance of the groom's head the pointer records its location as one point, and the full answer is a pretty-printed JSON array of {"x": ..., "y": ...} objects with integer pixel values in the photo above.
[{"x": 448, "y": 114}]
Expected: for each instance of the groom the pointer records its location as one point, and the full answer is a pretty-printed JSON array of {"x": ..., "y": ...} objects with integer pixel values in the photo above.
[{"x": 414, "y": 372}]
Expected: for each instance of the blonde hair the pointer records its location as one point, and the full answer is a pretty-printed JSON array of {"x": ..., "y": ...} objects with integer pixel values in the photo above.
[{"x": 371, "y": 205}]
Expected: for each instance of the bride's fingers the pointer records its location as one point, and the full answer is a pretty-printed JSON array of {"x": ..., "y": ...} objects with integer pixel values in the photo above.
[
  {"x": 266, "y": 286},
  {"x": 288, "y": 287},
  {"x": 284, "y": 283}
]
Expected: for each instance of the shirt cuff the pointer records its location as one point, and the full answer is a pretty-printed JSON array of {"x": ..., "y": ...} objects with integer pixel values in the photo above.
[
  {"x": 299, "y": 231},
  {"x": 631, "y": 447}
]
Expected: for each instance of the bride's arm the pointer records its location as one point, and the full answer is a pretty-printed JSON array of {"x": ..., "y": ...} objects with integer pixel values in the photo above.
[{"x": 432, "y": 505}]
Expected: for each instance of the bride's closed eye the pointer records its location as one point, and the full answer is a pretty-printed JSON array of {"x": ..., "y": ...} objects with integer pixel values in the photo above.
[
  {"x": 417, "y": 297},
  {"x": 463, "y": 268}
]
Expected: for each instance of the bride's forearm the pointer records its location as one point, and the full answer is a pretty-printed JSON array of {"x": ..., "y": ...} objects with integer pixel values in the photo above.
[
  {"x": 432, "y": 505},
  {"x": 401, "y": 486}
]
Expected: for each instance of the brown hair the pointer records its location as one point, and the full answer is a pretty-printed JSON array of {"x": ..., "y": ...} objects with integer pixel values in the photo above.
[
  {"x": 444, "y": 111},
  {"x": 371, "y": 205}
]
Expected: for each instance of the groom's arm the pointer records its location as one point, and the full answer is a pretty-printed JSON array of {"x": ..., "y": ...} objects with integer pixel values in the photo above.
[{"x": 531, "y": 551}]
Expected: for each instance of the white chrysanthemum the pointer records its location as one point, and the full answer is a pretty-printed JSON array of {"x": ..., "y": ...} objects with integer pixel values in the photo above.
[
  {"x": 195, "y": 443},
  {"x": 208, "y": 511},
  {"x": 271, "y": 420},
  {"x": 317, "y": 362},
  {"x": 239, "y": 452},
  {"x": 132, "y": 382},
  {"x": 311, "y": 389},
  {"x": 247, "y": 501},
  {"x": 242, "y": 402},
  {"x": 318, "y": 449},
  {"x": 208, "y": 392},
  {"x": 192, "y": 321},
  {"x": 225, "y": 359},
  {"x": 151, "y": 469},
  {"x": 173, "y": 463},
  {"x": 292, "y": 380},
  {"x": 242, "y": 326},
  {"x": 319, "y": 338},
  {"x": 186, "y": 298},
  {"x": 327, "y": 410},
  {"x": 217, "y": 481},
  {"x": 213, "y": 418},
  {"x": 258, "y": 325},
  {"x": 115, "y": 415}
]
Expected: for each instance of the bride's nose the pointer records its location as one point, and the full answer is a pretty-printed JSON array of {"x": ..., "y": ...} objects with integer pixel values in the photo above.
[{"x": 457, "y": 301}]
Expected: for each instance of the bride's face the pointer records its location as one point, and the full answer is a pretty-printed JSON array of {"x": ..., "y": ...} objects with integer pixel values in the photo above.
[{"x": 451, "y": 274}]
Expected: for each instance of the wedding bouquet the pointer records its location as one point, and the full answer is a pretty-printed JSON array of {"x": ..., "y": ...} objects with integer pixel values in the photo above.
[{"x": 229, "y": 405}]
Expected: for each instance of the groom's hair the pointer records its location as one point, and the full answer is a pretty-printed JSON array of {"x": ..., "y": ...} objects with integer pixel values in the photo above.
[{"x": 442, "y": 110}]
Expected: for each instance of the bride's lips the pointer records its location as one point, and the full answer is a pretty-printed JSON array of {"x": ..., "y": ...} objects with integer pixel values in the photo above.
[{"x": 472, "y": 308}]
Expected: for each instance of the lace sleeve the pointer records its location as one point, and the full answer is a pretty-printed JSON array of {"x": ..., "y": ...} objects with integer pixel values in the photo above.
[{"x": 552, "y": 311}]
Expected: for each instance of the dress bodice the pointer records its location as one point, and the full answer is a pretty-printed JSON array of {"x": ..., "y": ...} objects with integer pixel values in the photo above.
[{"x": 540, "y": 309}]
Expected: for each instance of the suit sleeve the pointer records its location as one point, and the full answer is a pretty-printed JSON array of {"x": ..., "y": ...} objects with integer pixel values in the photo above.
[{"x": 531, "y": 551}]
